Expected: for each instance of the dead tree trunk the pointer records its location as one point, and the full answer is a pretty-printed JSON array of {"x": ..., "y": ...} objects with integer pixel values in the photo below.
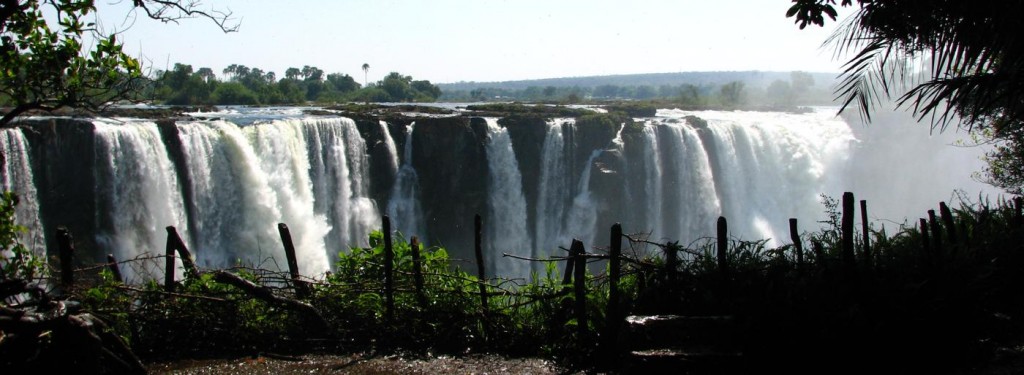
[
  {"x": 580, "y": 283},
  {"x": 66, "y": 245},
  {"x": 798, "y": 245},
  {"x": 301, "y": 287},
  {"x": 389, "y": 271}
]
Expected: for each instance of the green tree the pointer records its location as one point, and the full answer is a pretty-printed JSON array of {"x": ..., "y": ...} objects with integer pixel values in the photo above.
[
  {"x": 971, "y": 55},
  {"x": 731, "y": 93},
  {"x": 397, "y": 86},
  {"x": 800, "y": 81},
  {"x": 780, "y": 93},
  {"x": 425, "y": 90},
  {"x": 46, "y": 66},
  {"x": 206, "y": 74},
  {"x": 343, "y": 83},
  {"x": 606, "y": 91},
  {"x": 689, "y": 95},
  {"x": 291, "y": 90},
  {"x": 366, "y": 70},
  {"x": 234, "y": 93}
]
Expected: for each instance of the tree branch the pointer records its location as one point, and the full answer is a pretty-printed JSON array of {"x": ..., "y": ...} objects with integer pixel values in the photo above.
[{"x": 173, "y": 11}]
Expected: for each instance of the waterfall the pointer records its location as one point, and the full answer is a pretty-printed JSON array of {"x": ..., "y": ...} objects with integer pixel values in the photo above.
[
  {"x": 339, "y": 172},
  {"x": 652, "y": 184},
  {"x": 553, "y": 191},
  {"x": 137, "y": 193},
  {"x": 689, "y": 200},
  {"x": 762, "y": 168},
  {"x": 506, "y": 224},
  {"x": 244, "y": 182},
  {"x": 225, "y": 186},
  {"x": 404, "y": 205},
  {"x": 16, "y": 176},
  {"x": 389, "y": 143},
  {"x": 583, "y": 212}
]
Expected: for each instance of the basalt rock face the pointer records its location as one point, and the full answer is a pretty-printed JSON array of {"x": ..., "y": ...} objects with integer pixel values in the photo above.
[
  {"x": 527, "y": 133},
  {"x": 450, "y": 160},
  {"x": 62, "y": 161},
  {"x": 382, "y": 171}
]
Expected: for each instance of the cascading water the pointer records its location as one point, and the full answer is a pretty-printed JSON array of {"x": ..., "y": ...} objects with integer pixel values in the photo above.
[
  {"x": 761, "y": 168},
  {"x": 690, "y": 205},
  {"x": 137, "y": 193},
  {"x": 309, "y": 174},
  {"x": 506, "y": 224},
  {"x": 340, "y": 182},
  {"x": 553, "y": 191},
  {"x": 651, "y": 218},
  {"x": 16, "y": 176},
  {"x": 404, "y": 206},
  {"x": 234, "y": 209},
  {"x": 582, "y": 214},
  {"x": 389, "y": 143}
]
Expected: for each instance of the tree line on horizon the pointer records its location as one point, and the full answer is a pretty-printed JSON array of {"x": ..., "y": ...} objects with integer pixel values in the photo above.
[
  {"x": 800, "y": 89},
  {"x": 243, "y": 85}
]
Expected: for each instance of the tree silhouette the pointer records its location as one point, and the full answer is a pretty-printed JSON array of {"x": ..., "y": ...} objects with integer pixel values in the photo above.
[{"x": 366, "y": 69}]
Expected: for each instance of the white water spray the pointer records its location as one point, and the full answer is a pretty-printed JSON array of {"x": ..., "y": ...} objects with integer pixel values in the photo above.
[
  {"x": 404, "y": 206},
  {"x": 16, "y": 176},
  {"x": 553, "y": 191},
  {"x": 506, "y": 224},
  {"x": 137, "y": 193},
  {"x": 389, "y": 143}
]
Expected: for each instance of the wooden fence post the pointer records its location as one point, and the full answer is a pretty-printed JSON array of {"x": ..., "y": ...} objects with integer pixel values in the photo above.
[
  {"x": 478, "y": 230},
  {"x": 926, "y": 244},
  {"x": 1018, "y": 211},
  {"x": 169, "y": 263},
  {"x": 567, "y": 274},
  {"x": 66, "y": 246},
  {"x": 580, "y": 283},
  {"x": 947, "y": 221},
  {"x": 847, "y": 256},
  {"x": 114, "y": 269},
  {"x": 794, "y": 235},
  {"x": 671, "y": 262},
  {"x": 389, "y": 270},
  {"x": 722, "y": 249},
  {"x": 865, "y": 234},
  {"x": 936, "y": 232},
  {"x": 301, "y": 288},
  {"x": 186, "y": 256},
  {"x": 417, "y": 271},
  {"x": 819, "y": 253},
  {"x": 611, "y": 336}
]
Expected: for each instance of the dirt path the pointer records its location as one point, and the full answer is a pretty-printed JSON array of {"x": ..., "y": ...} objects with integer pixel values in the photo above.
[{"x": 357, "y": 364}]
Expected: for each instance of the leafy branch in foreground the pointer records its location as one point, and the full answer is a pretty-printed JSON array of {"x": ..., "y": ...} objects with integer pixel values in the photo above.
[{"x": 46, "y": 65}]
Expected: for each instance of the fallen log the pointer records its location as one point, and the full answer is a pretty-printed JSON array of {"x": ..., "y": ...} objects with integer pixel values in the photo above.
[{"x": 266, "y": 294}]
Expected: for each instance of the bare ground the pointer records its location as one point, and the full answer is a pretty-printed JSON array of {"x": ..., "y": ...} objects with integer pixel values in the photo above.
[{"x": 360, "y": 364}]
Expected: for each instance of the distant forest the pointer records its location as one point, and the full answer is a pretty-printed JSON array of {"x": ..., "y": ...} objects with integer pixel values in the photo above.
[
  {"x": 242, "y": 85},
  {"x": 688, "y": 88}
]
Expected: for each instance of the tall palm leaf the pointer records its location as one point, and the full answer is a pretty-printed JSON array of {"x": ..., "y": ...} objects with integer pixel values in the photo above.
[{"x": 948, "y": 60}]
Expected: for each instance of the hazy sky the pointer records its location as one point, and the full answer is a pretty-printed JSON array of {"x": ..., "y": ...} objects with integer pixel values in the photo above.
[{"x": 483, "y": 40}]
